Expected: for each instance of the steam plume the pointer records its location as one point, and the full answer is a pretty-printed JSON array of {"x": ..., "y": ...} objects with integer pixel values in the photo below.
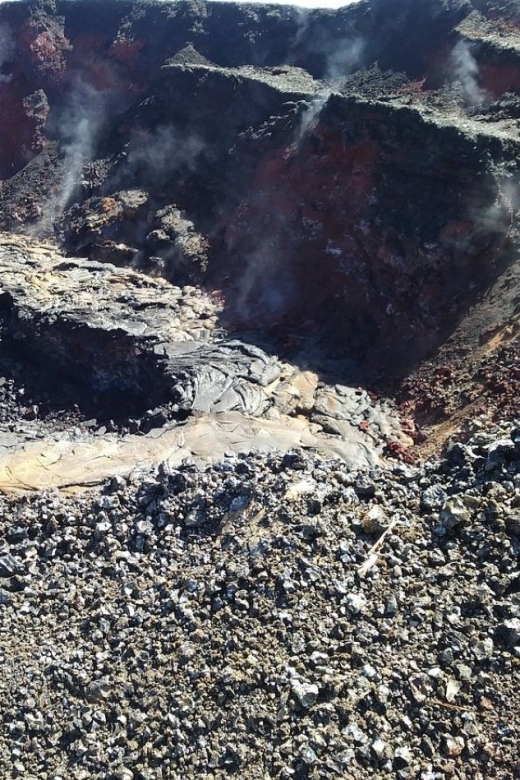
[
  {"x": 156, "y": 154},
  {"x": 345, "y": 56},
  {"x": 264, "y": 286},
  {"x": 466, "y": 71},
  {"x": 78, "y": 128}
]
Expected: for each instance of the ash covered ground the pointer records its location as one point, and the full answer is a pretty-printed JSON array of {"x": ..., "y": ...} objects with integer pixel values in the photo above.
[{"x": 259, "y": 419}]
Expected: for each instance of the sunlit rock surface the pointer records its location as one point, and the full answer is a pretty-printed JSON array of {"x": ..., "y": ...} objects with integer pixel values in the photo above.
[{"x": 115, "y": 330}]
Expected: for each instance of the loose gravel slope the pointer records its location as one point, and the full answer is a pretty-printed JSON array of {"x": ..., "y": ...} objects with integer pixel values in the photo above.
[{"x": 236, "y": 621}]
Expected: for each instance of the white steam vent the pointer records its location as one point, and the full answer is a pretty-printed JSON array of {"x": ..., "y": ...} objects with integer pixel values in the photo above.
[{"x": 466, "y": 71}]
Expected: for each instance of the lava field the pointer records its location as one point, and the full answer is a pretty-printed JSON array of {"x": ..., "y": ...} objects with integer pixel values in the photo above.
[{"x": 259, "y": 410}]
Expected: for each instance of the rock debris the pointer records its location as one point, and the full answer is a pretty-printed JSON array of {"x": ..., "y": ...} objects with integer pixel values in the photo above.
[{"x": 212, "y": 621}]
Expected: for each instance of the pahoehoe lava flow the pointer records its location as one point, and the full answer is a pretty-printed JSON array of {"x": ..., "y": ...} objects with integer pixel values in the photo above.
[{"x": 259, "y": 418}]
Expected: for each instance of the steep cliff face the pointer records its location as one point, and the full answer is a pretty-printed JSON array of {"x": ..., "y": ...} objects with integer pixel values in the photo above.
[
  {"x": 308, "y": 165},
  {"x": 385, "y": 216}
]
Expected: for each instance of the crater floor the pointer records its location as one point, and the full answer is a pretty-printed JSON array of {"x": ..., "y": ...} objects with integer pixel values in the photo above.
[{"x": 201, "y": 391}]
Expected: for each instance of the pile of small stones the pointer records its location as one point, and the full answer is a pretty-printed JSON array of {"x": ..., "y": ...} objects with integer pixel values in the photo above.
[{"x": 273, "y": 616}]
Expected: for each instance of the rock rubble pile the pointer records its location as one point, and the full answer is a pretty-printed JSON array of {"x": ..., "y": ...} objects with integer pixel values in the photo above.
[{"x": 269, "y": 616}]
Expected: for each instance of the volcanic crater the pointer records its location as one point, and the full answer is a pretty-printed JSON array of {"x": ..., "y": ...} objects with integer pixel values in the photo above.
[
  {"x": 319, "y": 200},
  {"x": 259, "y": 411}
]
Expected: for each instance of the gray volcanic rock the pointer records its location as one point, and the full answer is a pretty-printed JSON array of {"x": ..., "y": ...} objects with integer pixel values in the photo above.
[
  {"x": 117, "y": 331},
  {"x": 73, "y": 460},
  {"x": 100, "y": 315},
  {"x": 129, "y": 332}
]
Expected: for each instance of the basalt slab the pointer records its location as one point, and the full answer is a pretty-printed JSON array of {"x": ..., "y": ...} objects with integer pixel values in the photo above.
[
  {"x": 117, "y": 330},
  {"x": 75, "y": 462}
]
